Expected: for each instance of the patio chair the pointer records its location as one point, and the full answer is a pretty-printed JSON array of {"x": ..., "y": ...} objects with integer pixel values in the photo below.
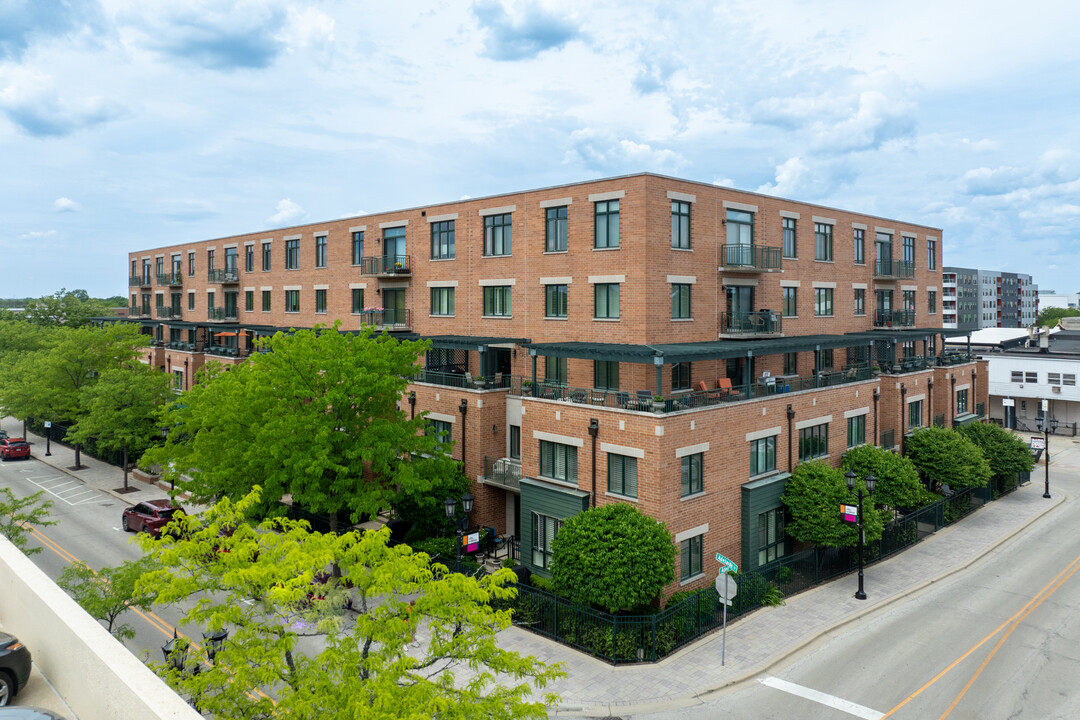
[
  {"x": 498, "y": 380},
  {"x": 724, "y": 384},
  {"x": 644, "y": 400},
  {"x": 469, "y": 380}
]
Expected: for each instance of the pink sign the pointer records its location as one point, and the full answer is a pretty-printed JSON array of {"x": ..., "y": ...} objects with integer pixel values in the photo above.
[{"x": 849, "y": 513}]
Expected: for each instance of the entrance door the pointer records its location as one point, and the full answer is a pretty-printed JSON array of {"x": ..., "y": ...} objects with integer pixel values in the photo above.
[
  {"x": 884, "y": 307},
  {"x": 740, "y": 303},
  {"x": 883, "y": 247},
  {"x": 393, "y": 306},
  {"x": 497, "y": 360},
  {"x": 393, "y": 249}
]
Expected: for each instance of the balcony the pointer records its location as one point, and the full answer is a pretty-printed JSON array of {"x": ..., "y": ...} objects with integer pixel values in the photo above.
[
  {"x": 764, "y": 322},
  {"x": 173, "y": 279},
  {"x": 140, "y": 311},
  {"x": 386, "y": 265},
  {"x": 387, "y": 319},
  {"x": 184, "y": 346},
  {"x": 750, "y": 258},
  {"x": 166, "y": 312},
  {"x": 222, "y": 315},
  {"x": 504, "y": 472},
  {"x": 227, "y": 276},
  {"x": 887, "y": 268},
  {"x": 226, "y": 351},
  {"x": 894, "y": 318},
  {"x": 139, "y": 281}
]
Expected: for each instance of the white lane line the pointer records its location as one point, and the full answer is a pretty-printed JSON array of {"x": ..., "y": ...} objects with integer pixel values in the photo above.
[
  {"x": 57, "y": 495},
  {"x": 823, "y": 699}
]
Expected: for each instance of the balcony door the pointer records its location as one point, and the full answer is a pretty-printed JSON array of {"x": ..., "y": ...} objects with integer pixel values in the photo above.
[
  {"x": 740, "y": 303},
  {"x": 883, "y": 250},
  {"x": 393, "y": 305},
  {"x": 393, "y": 249}
]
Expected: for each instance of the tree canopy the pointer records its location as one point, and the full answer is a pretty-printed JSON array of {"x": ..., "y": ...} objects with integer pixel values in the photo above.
[
  {"x": 420, "y": 642},
  {"x": 613, "y": 556},
  {"x": 898, "y": 484},
  {"x": 109, "y": 593},
  {"x": 946, "y": 457},
  {"x": 317, "y": 417},
  {"x": 18, "y": 515},
  {"x": 66, "y": 308},
  {"x": 1048, "y": 317},
  {"x": 813, "y": 495},
  {"x": 1007, "y": 454}
]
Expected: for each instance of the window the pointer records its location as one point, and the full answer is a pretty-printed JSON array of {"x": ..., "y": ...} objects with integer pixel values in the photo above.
[
  {"x": 772, "y": 537},
  {"x": 497, "y": 234},
  {"x": 680, "y": 376},
  {"x": 357, "y": 300},
  {"x": 440, "y": 429},
  {"x": 555, "y": 301},
  {"x": 159, "y": 266},
  {"x": 292, "y": 254},
  {"x": 320, "y": 302},
  {"x": 292, "y": 301},
  {"x": 680, "y": 302},
  {"x": 606, "y": 374},
  {"x": 249, "y": 301},
  {"x": 442, "y": 301},
  {"x": 515, "y": 442},
  {"x": 860, "y": 247},
  {"x": 790, "y": 308},
  {"x": 1017, "y": 376},
  {"x": 209, "y": 259},
  {"x": 607, "y": 224},
  {"x": 606, "y": 300},
  {"x": 266, "y": 257},
  {"x": 555, "y": 229},
  {"x": 788, "y": 225},
  {"x": 763, "y": 455},
  {"x": 320, "y": 251},
  {"x": 558, "y": 461},
  {"x": 266, "y": 301},
  {"x": 191, "y": 301},
  {"x": 931, "y": 301},
  {"x": 249, "y": 258},
  {"x": 825, "y": 359},
  {"x": 823, "y": 298},
  {"x": 909, "y": 300},
  {"x": 680, "y": 225},
  {"x": 442, "y": 240},
  {"x": 692, "y": 482},
  {"x": 191, "y": 264},
  {"x": 931, "y": 254},
  {"x": 740, "y": 227},
  {"x": 497, "y": 301},
  {"x": 907, "y": 248},
  {"x": 914, "y": 415},
  {"x": 822, "y": 241},
  {"x": 622, "y": 475},
  {"x": 555, "y": 370},
  {"x": 814, "y": 442},
  {"x": 690, "y": 557},
  {"x": 209, "y": 300},
  {"x": 159, "y": 300},
  {"x": 856, "y": 430},
  {"x": 791, "y": 363},
  {"x": 961, "y": 401},
  {"x": 860, "y": 301},
  {"x": 357, "y": 246},
  {"x": 1068, "y": 379},
  {"x": 544, "y": 530}
]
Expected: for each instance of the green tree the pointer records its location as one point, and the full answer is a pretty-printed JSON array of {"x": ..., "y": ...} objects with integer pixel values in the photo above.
[
  {"x": 898, "y": 484},
  {"x": 65, "y": 308},
  {"x": 421, "y": 645},
  {"x": 17, "y": 515},
  {"x": 1049, "y": 317},
  {"x": 813, "y": 495},
  {"x": 946, "y": 457},
  {"x": 426, "y": 511},
  {"x": 120, "y": 411},
  {"x": 317, "y": 418},
  {"x": 613, "y": 556},
  {"x": 1006, "y": 453},
  {"x": 109, "y": 593}
]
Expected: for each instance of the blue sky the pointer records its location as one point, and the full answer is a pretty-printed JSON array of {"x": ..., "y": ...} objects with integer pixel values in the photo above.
[{"x": 131, "y": 124}]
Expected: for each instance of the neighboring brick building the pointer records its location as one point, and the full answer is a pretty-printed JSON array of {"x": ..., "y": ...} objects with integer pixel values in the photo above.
[{"x": 771, "y": 329}]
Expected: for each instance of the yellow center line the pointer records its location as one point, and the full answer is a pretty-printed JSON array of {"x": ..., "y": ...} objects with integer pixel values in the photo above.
[{"x": 1029, "y": 605}]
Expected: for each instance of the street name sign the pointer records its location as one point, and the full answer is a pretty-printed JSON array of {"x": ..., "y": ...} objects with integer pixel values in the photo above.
[{"x": 726, "y": 565}]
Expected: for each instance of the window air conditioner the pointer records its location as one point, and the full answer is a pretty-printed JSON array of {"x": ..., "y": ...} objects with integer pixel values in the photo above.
[{"x": 1057, "y": 388}]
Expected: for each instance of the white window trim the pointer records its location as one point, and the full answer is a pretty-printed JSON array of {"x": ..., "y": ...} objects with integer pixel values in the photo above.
[
  {"x": 691, "y": 450},
  {"x": 556, "y": 438},
  {"x": 393, "y": 224},
  {"x": 916, "y": 398},
  {"x": 613, "y": 195},
  {"x": 442, "y": 283},
  {"x": 505, "y": 209},
  {"x": 848, "y": 414},
  {"x": 732, "y": 205},
  {"x": 682, "y": 279},
  {"x": 790, "y": 215},
  {"x": 557, "y": 202},
  {"x": 441, "y": 417},
  {"x": 622, "y": 450},
  {"x": 762, "y": 434},
  {"x": 824, "y": 285},
  {"x": 681, "y": 197},
  {"x": 442, "y": 218},
  {"x": 358, "y": 228},
  {"x": 691, "y": 533},
  {"x": 556, "y": 281},
  {"x": 858, "y": 226},
  {"x": 353, "y": 286},
  {"x": 606, "y": 279},
  {"x": 824, "y": 419},
  {"x": 497, "y": 282},
  {"x": 824, "y": 220},
  {"x": 791, "y": 283}
]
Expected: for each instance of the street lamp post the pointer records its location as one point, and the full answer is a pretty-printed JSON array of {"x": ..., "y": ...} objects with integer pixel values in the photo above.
[
  {"x": 215, "y": 640},
  {"x": 462, "y": 523},
  {"x": 1048, "y": 426},
  {"x": 48, "y": 438},
  {"x": 870, "y": 482}
]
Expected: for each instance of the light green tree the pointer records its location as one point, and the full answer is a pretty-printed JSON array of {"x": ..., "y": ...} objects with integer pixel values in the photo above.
[
  {"x": 421, "y": 644},
  {"x": 318, "y": 417},
  {"x": 19, "y": 515},
  {"x": 65, "y": 308},
  {"x": 109, "y": 593}
]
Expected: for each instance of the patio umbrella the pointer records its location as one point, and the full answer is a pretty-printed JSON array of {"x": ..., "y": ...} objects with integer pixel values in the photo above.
[{"x": 225, "y": 334}]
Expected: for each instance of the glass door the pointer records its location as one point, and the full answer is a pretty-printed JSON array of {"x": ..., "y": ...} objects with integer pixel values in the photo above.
[{"x": 393, "y": 306}]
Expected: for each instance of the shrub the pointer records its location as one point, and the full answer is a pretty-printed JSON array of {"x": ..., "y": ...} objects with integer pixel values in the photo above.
[
  {"x": 947, "y": 457},
  {"x": 898, "y": 484},
  {"x": 1006, "y": 453}
]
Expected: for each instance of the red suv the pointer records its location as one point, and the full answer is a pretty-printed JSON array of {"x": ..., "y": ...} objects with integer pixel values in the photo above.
[
  {"x": 149, "y": 517},
  {"x": 11, "y": 448}
]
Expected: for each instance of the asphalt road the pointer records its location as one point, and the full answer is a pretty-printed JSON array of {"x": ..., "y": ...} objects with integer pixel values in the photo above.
[{"x": 1000, "y": 639}]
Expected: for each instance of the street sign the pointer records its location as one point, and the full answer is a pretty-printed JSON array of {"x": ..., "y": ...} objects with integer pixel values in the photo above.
[
  {"x": 1008, "y": 402},
  {"x": 727, "y": 587},
  {"x": 470, "y": 542},
  {"x": 1038, "y": 443},
  {"x": 726, "y": 565},
  {"x": 849, "y": 513},
  {"x": 48, "y": 423},
  {"x": 1046, "y": 405}
]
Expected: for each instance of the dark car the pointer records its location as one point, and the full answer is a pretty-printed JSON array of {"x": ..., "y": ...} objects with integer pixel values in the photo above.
[
  {"x": 14, "y": 667},
  {"x": 11, "y": 448},
  {"x": 26, "y": 712},
  {"x": 149, "y": 517}
]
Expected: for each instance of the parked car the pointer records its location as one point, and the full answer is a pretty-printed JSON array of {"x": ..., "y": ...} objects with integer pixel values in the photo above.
[
  {"x": 14, "y": 667},
  {"x": 149, "y": 516},
  {"x": 27, "y": 712},
  {"x": 11, "y": 448}
]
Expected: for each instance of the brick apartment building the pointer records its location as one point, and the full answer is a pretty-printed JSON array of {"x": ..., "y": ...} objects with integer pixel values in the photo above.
[{"x": 773, "y": 330}]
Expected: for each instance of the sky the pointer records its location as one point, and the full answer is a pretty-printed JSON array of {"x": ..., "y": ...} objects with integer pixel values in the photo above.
[{"x": 133, "y": 124}]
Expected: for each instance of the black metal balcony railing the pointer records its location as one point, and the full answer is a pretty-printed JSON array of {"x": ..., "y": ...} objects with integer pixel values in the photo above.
[
  {"x": 223, "y": 276},
  {"x": 955, "y": 359},
  {"x": 888, "y": 439},
  {"x": 750, "y": 258},
  {"x": 765, "y": 322},
  {"x": 388, "y": 318},
  {"x": 894, "y": 318},
  {"x": 905, "y": 268},
  {"x": 173, "y": 278},
  {"x": 222, "y": 314},
  {"x": 386, "y": 265},
  {"x": 167, "y": 312},
  {"x": 441, "y": 378},
  {"x": 135, "y": 281},
  {"x": 185, "y": 346},
  {"x": 889, "y": 268},
  {"x": 226, "y": 351},
  {"x": 505, "y": 472}
]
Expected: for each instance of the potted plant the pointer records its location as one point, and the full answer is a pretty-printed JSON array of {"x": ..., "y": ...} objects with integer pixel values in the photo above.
[
  {"x": 658, "y": 403},
  {"x": 526, "y": 387},
  {"x": 480, "y": 381}
]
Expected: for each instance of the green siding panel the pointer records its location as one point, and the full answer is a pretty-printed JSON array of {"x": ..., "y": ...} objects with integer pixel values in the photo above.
[
  {"x": 545, "y": 499},
  {"x": 758, "y": 496}
]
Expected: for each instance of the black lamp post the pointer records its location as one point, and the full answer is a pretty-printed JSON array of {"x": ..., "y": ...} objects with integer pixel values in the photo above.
[
  {"x": 1048, "y": 426},
  {"x": 175, "y": 652},
  {"x": 870, "y": 482},
  {"x": 48, "y": 438},
  {"x": 462, "y": 523},
  {"x": 215, "y": 640}
]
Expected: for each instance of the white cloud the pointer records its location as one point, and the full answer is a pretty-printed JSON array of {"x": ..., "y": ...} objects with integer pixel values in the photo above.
[
  {"x": 64, "y": 204},
  {"x": 38, "y": 235},
  {"x": 288, "y": 213},
  {"x": 32, "y": 102}
]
